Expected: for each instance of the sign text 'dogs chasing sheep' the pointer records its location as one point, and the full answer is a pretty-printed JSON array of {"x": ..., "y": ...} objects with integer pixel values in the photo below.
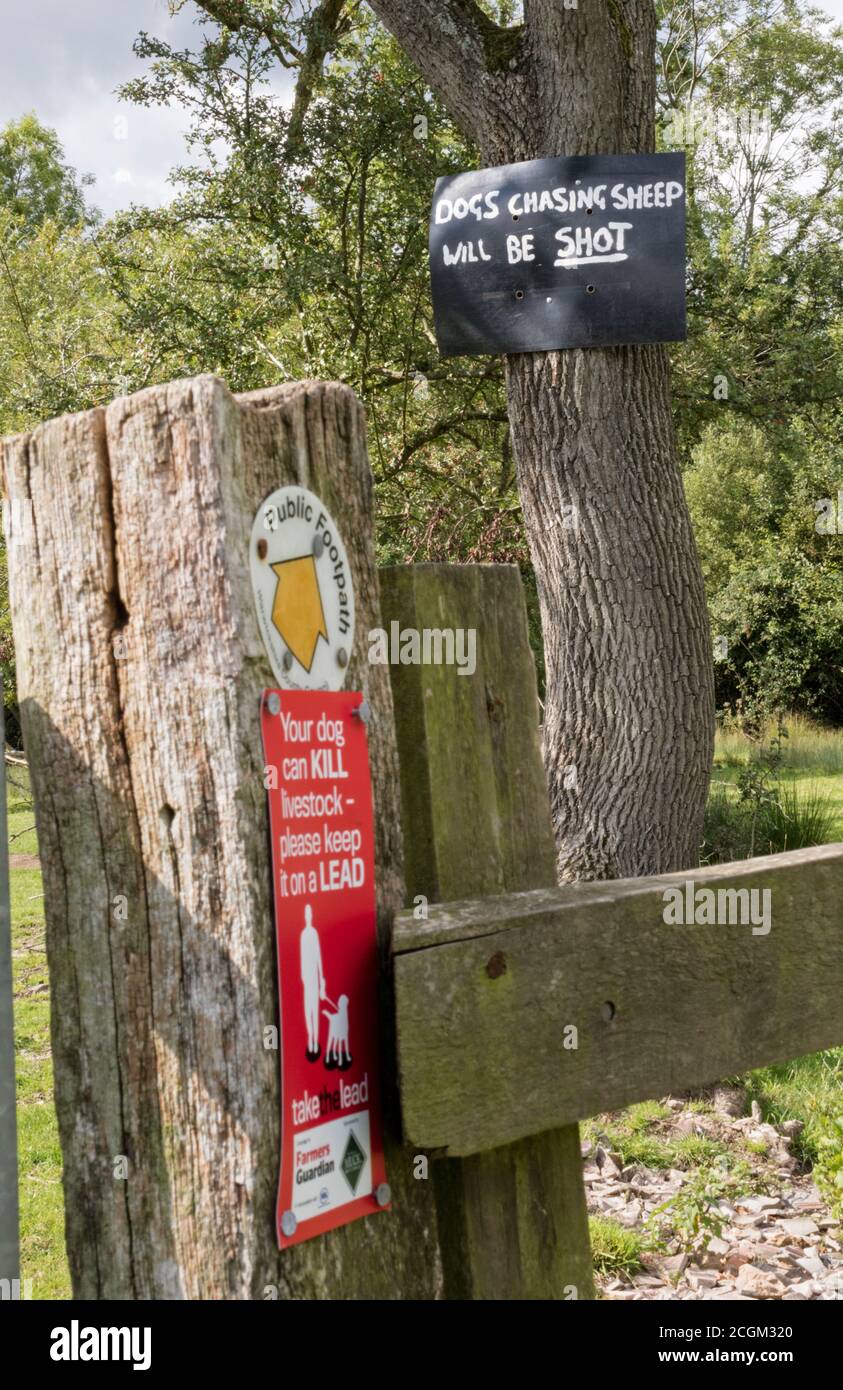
[{"x": 560, "y": 253}]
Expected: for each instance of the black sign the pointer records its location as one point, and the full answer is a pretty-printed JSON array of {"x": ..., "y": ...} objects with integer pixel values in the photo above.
[{"x": 560, "y": 253}]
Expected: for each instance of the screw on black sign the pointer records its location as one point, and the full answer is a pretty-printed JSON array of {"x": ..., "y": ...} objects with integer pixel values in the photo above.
[{"x": 560, "y": 253}]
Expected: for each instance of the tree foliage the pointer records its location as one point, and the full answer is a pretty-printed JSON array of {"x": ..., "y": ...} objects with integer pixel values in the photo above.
[
  {"x": 296, "y": 245},
  {"x": 58, "y": 337},
  {"x": 36, "y": 185}
]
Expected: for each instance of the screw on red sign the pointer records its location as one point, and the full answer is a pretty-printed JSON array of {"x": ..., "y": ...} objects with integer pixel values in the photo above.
[{"x": 320, "y": 813}]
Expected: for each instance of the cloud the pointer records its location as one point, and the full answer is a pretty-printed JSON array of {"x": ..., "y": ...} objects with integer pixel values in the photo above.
[{"x": 64, "y": 62}]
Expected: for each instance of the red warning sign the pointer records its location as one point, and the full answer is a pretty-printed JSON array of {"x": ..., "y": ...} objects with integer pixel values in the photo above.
[{"x": 320, "y": 813}]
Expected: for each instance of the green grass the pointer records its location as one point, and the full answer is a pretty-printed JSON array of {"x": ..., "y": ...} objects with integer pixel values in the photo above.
[
  {"x": 802, "y": 815},
  {"x": 43, "y": 1258},
  {"x": 647, "y": 1113},
  {"x": 695, "y": 1151},
  {"x": 27, "y": 900},
  {"x": 643, "y": 1150},
  {"x": 22, "y": 837},
  {"x": 808, "y": 747},
  {"x": 615, "y": 1249},
  {"x": 802, "y": 1090},
  {"x": 641, "y": 1136},
  {"x": 808, "y": 809}
]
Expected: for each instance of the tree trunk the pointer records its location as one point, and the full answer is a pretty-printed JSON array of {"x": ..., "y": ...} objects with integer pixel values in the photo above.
[
  {"x": 629, "y": 697},
  {"x": 140, "y": 669}
]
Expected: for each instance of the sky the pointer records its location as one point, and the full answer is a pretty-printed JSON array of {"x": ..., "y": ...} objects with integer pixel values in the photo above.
[{"x": 63, "y": 60}]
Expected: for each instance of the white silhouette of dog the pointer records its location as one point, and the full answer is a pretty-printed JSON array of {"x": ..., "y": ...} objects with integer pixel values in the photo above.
[{"x": 338, "y": 1032}]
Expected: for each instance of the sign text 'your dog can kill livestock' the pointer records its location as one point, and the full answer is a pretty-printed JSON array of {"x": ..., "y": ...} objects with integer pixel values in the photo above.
[
  {"x": 560, "y": 253},
  {"x": 320, "y": 811}
]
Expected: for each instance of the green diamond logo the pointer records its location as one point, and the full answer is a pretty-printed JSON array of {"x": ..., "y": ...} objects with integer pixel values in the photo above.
[{"x": 352, "y": 1162}]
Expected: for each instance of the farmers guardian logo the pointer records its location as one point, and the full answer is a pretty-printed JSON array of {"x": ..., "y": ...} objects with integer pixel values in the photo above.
[
  {"x": 77, "y": 1343},
  {"x": 353, "y": 1161},
  {"x": 304, "y": 600}
]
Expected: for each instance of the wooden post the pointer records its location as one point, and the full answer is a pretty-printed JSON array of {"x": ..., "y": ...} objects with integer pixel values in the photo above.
[
  {"x": 512, "y": 1222},
  {"x": 140, "y": 668}
]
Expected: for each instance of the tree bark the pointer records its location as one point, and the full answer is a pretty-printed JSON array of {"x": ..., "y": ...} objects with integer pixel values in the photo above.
[
  {"x": 629, "y": 696},
  {"x": 140, "y": 668}
]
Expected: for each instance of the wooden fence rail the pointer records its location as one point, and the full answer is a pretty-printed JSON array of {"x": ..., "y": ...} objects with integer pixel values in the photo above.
[{"x": 485, "y": 991}]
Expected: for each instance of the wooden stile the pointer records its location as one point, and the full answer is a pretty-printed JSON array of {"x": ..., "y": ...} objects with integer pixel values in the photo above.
[
  {"x": 140, "y": 668},
  {"x": 512, "y": 1222}
]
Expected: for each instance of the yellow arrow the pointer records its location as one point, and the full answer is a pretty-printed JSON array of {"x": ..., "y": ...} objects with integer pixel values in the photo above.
[{"x": 297, "y": 607}]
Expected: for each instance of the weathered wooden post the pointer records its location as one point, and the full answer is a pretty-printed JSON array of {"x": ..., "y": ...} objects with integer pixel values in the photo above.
[
  {"x": 140, "y": 668},
  {"x": 512, "y": 1221}
]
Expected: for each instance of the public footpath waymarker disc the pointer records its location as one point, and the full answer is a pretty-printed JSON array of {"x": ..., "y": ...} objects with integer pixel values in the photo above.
[
  {"x": 320, "y": 813},
  {"x": 304, "y": 598}
]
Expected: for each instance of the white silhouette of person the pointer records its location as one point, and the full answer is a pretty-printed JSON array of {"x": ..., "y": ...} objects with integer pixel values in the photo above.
[{"x": 313, "y": 981}]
